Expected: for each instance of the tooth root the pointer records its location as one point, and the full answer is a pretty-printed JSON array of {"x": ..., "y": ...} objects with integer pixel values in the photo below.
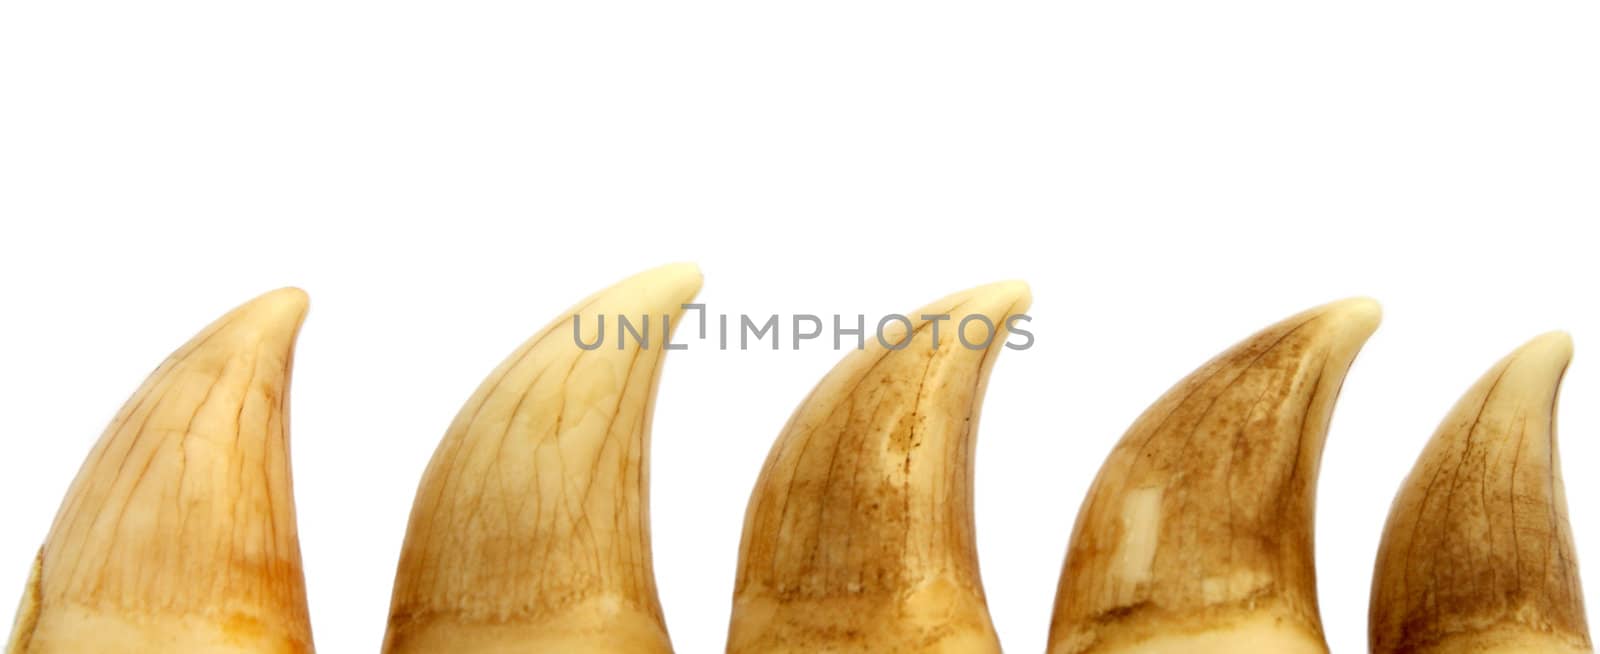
[
  {"x": 178, "y": 534},
  {"x": 1477, "y": 555},
  {"x": 859, "y": 534},
  {"x": 530, "y": 530},
  {"x": 1197, "y": 534}
]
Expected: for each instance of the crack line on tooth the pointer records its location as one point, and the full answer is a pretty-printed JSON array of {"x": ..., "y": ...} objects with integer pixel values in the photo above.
[
  {"x": 116, "y": 525},
  {"x": 1206, "y": 412},
  {"x": 453, "y": 461},
  {"x": 847, "y": 400},
  {"x": 75, "y": 546},
  {"x": 1516, "y": 548},
  {"x": 1305, "y": 419},
  {"x": 181, "y": 446},
  {"x": 161, "y": 376},
  {"x": 1227, "y": 478},
  {"x": 911, "y": 446},
  {"x": 805, "y": 444},
  {"x": 1427, "y": 492},
  {"x": 481, "y": 398},
  {"x": 1562, "y": 528},
  {"x": 1217, "y": 366}
]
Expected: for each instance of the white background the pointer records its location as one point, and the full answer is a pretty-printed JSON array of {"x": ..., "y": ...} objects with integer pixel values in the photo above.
[{"x": 446, "y": 177}]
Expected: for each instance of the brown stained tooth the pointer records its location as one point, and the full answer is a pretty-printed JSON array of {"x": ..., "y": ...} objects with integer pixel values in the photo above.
[
  {"x": 1196, "y": 536},
  {"x": 1477, "y": 556},
  {"x": 178, "y": 535},
  {"x": 859, "y": 534},
  {"x": 530, "y": 531}
]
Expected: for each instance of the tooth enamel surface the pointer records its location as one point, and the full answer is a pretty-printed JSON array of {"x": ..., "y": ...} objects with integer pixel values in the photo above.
[
  {"x": 178, "y": 534},
  {"x": 859, "y": 533},
  {"x": 530, "y": 529},
  {"x": 1197, "y": 534},
  {"x": 1477, "y": 555}
]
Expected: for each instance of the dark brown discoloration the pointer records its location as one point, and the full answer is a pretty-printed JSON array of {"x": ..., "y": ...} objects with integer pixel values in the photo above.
[
  {"x": 1203, "y": 512},
  {"x": 1477, "y": 550},
  {"x": 861, "y": 522}
]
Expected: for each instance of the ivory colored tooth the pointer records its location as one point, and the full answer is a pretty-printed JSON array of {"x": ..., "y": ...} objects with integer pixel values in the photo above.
[
  {"x": 1196, "y": 536},
  {"x": 531, "y": 531},
  {"x": 1477, "y": 556},
  {"x": 178, "y": 534},
  {"x": 859, "y": 534}
]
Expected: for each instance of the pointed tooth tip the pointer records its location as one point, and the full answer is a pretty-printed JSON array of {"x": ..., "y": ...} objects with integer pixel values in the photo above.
[
  {"x": 1549, "y": 348},
  {"x": 288, "y": 300},
  {"x": 681, "y": 270},
  {"x": 676, "y": 280},
  {"x": 1017, "y": 290},
  {"x": 1536, "y": 368},
  {"x": 1361, "y": 313},
  {"x": 277, "y": 313},
  {"x": 1349, "y": 323},
  {"x": 1002, "y": 298},
  {"x": 271, "y": 320}
]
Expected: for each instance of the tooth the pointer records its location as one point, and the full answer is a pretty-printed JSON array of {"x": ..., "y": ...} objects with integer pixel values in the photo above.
[
  {"x": 1196, "y": 536},
  {"x": 859, "y": 534},
  {"x": 178, "y": 534},
  {"x": 530, "y": 531},
  {"x": 1477, "y": 556}
]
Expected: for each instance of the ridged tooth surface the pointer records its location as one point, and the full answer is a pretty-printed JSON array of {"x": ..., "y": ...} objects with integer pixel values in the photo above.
[
  {"x": 1196, "y": 536},
  {"x": 1477, "y": 556},
  {"x": 859, "y": 533},
  {"x": 178, "y": 534},
  {"x": 530, "y": 530}
]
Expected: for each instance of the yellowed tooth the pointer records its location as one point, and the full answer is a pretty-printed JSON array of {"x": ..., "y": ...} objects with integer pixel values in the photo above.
[
  {"x": 1477, "y": 556},
  {"x": 859, "y": 534},
  {"x": 1196, "y": 536},
  {"x": 178, "y": 535},
  {"x": 531, "y": 531}
]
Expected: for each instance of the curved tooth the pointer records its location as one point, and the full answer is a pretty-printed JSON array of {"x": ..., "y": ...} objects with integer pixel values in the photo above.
[
  {"x": 530, "y": 530},
  {"x": 1477, "y": 555},
  {"x": 859, "y": 534},
  {"x": 178, "y": 534},
  {"x": 1197, "y": 534}
]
